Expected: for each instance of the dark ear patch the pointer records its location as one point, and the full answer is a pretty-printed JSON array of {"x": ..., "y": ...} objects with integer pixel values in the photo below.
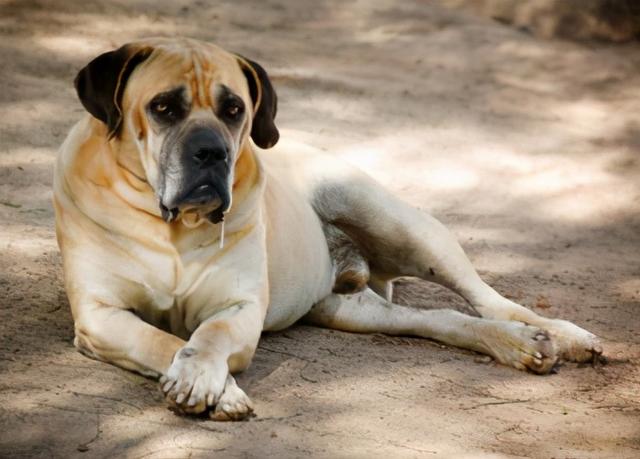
[
  {"x": 263, "y": 131},
  {"x": 100, "y": 85}
]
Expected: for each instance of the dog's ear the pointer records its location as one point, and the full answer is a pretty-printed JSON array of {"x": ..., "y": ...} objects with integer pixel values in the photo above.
[
  {"x": 100, "y": 85},
  {"x": 265, "y": 103}
]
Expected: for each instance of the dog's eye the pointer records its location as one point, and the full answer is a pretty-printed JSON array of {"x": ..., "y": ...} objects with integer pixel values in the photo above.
[
  {"x": 168, "y": 107},
  {"x": 162, "y": 109},
  {"x": 159, "y": 108},
  {"x": 166, "y": 111},
  {"x": 233, "y": 110}
]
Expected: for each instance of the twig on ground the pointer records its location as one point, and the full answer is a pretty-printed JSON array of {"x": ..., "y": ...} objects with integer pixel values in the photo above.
[{"x": 503, "y": 402}]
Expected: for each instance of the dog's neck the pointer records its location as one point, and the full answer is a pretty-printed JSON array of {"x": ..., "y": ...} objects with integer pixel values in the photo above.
[{"x": 248, "y": 173}]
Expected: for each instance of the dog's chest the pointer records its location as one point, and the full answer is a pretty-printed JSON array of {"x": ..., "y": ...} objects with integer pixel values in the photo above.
[
  {"x": 161, "y": 295},
  {"x": 188, "y": 285}
]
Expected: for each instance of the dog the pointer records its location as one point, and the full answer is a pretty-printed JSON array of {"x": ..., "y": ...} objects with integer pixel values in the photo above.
[{"x": 184, "y": 235}]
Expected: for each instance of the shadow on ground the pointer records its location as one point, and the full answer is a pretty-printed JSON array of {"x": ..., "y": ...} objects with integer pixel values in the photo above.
[{"x": 526, "y": 149}]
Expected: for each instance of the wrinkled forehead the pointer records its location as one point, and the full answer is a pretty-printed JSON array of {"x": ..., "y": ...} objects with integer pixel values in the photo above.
[{"x": 202, "y": 69}]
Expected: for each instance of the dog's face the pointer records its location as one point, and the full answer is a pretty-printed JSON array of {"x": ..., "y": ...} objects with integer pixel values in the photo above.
[{"x": 188, "y": 108}]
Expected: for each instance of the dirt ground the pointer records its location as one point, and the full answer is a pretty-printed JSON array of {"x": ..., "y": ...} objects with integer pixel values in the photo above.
[{"x": 528, "y": 149}]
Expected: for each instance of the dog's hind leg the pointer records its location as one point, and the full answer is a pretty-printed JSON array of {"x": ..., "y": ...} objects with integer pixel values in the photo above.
[
  {"x": 511, "y": 343},
  {"x": 398, "y": 240},
  {"x": 382, "y": 285},
  {"x": 352, "y": 269}
]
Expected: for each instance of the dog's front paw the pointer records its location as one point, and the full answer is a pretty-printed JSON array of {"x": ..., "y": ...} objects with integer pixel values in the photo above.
[
  {"x": 195, "y": 380},
  {"x": 198, "y": 381},
  {"x": 234, "y": 404},
  {"x": 574, "y": 344}
]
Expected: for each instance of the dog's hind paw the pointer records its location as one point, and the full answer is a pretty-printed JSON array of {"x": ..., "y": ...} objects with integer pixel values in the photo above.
[
  {"x": 519, "y": 345},
  {"x": 574, "y": 344}
]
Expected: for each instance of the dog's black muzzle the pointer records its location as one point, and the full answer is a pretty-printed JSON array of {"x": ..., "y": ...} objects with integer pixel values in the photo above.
[{"x": 196, "y": 175}]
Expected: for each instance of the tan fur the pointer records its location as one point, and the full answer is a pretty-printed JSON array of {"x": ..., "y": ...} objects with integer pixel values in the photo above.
[{"x": 142, "y": 289}]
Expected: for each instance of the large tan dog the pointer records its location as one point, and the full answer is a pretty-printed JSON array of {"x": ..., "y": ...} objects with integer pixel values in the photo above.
[{"x": 182, "y": 241}]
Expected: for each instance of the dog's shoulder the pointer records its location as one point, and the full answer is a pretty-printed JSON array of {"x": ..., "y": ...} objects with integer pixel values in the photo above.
[{"x": 82, "y": 145}]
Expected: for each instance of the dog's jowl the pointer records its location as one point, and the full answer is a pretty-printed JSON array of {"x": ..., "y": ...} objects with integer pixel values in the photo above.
[{"x": 177, "y": 146}]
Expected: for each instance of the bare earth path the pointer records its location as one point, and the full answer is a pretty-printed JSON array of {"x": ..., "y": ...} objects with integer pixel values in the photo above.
[{"x": 527, "y": 149}]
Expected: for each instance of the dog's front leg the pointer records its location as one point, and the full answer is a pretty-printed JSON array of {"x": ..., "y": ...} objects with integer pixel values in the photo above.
[
  {"x": 199, "y": 377},
  {"x": 118, "y": 336}
]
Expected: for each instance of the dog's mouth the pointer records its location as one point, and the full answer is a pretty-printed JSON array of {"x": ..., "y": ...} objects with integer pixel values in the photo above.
[{"x": 202, "y": 203}]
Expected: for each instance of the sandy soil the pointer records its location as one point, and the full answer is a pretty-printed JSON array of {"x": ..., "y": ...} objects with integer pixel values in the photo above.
[{"x": 527, "y": 149}]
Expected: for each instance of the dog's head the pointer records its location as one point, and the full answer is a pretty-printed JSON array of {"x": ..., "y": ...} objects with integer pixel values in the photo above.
[{"x": 188, "y": 108}]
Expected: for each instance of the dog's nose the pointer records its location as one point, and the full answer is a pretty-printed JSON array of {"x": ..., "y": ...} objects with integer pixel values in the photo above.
[
  {"x": 205, "y": 146},
  {"x": 205, "y": 156}
]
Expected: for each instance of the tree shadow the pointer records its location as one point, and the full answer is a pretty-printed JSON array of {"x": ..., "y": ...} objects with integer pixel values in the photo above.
[{"x": 418, "y": 93}]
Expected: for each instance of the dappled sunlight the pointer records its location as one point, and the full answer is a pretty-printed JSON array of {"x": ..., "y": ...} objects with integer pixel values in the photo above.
[
  {"x": 629, "y": 289},
  {"x": 30, "y": 246},
  {"x": 504, "y": 262},
  {"x": 335, "y": 108},
  {"x": 526, "y": 149},
  {"x": 365, "y": 156},
  {"x": 447, "y": 178},
  {"x": 523, "y": 49},
  {"x": 23, "y": 156},
  {"x": 125, "y": 410},
  {"x": 555, "y": 185},
  {"x": 24, "y": 113},
  {"x": 503, "y": 159},
  {"x": 588, "y": 118},
  {"x": 70, "y": 45},
  {"x": 491, "y": 235},
  {"x": 576, "y": 206},
  {"x": 523, "y": 82},
  {"x": 551, "y": 179}
]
